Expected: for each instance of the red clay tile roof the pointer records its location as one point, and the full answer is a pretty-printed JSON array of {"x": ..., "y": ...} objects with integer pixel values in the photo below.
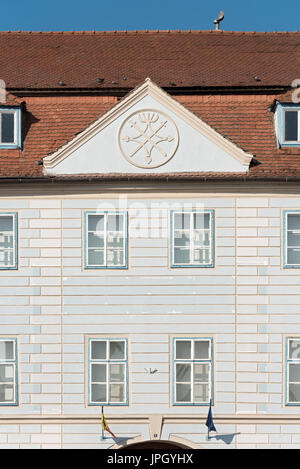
[
  {"x": 49, "y": 122},
  {"x": 186, "y": 59},
  {"x": 40, "y": 60},
  {"x": 12, "y": 100}
]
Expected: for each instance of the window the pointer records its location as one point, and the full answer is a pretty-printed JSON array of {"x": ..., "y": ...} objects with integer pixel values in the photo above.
[
  {"x": 10, "y": 127},
  {"x": 8, "y": 241},
  {"x": 108, "y": 372},
  {"x": 192, "y": 375},
  {"x": 293, "y": 371},
  {"x": 291, "y": 244},
  {"x": 8, "y": 372},
  {"x": 291, "y": 126},
  {"x": 192, "y": 238},
  {"x": 288, "y": 124},
  {"x": 106, "y": 240}
]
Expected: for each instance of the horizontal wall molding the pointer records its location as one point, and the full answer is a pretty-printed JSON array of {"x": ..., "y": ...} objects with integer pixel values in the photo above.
[
  {"x": 95, "y": 189},
  {"x": 145, "y": 419}
]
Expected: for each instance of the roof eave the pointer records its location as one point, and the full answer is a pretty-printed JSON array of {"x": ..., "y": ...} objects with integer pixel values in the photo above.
[
  {"x": 224, "y": 178},
  {"x": 175, "y": 90}
]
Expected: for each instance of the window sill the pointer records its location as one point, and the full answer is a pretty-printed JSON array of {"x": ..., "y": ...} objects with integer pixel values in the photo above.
[
  {"x": 106, "y": 268},
  {"x": 289, "y": 145},
  {"x": 7, "y": 146},
  {"x": 208, "y": 266},
  {"x": 194, "y": 404},
  {"x": 114, "y": 404}
]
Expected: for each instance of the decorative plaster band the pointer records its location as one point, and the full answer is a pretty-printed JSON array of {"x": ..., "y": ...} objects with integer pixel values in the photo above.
[{"x": 145, "y": 419}]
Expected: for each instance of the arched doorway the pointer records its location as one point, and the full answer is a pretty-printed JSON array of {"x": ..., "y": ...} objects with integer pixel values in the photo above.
[{"x": 153, "y": 444}]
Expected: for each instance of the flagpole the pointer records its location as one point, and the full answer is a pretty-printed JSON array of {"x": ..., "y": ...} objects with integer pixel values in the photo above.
[
  {"x": 209, "y": 421},
  {"x": 105, "y": 427},
  {"x": 101, "y": 424}
]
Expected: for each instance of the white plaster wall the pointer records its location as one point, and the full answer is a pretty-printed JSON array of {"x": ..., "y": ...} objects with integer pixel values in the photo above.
[
  {"x": 88, "y": 436},
  {"x": 248, "y": 303}
]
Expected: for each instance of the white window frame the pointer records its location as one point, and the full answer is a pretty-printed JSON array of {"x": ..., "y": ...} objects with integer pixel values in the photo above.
[
  {"x": 107, "y": 362},
  {"x": 105, "y": 233},
  {"x": 288, "y": 109},
  {"x": 14, "y": 249},
  {"x": 193, "y": 361},
  {"x": 191, "y": 229},
  {"x": 288, "y": 362},
  {"x": 17, "y": 127},
  {"x": 14, "y": 363},
  {"x": 286, "y": 213}
]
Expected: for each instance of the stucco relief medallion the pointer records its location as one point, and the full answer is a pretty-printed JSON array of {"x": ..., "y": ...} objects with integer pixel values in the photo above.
[{"x": 148, "y": 138}]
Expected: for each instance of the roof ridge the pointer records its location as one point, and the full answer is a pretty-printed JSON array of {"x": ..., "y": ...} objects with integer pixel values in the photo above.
[{"x": 150, "y": 31}]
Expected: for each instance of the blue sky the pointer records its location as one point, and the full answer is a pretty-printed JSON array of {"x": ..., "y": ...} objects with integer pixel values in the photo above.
[{"x": 44, "y": 15}]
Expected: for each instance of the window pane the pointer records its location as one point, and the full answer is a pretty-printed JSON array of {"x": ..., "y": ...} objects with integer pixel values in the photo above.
[
  {"x": 294, "y": 393},
  {"x": 99, "y": 393},
  {"x": 98, "y": 349},
  {"x": 181, "y": 256},
  {"x": 181, "y": 239},
  {"x": 6, "y": 241},
  {"x": 201, "y": 238},
  {"x": 115, "y": 222},
  {"x": 201, "y": 392},
  {"x": 115, "y": 241},
  {"x": 115, "y": 257},
  {"x": 7, "y": 127},
  {"x": 201, "y": 256},
  {"x": 6, "y": 373},
  {"x": 291, "y": 125},
  {"x": 117, "y": 393},
  {"x": 293, "y": 256},
  {"x": 95, "y": 257},
  {"x": 117, "y": 372},
  {"x": 116, "y": 350},
  {"x": 294, "y": 348},
  {"x": 293, "y": 239},
  {"x": 293, "y": 222},
  {"x": 183, "y": 393},
  {"x": 95, "y": 222},
  {"x": 6, "y": 223},
  {"x": 95, "y": 240},
  {"x": 201, "y": 349},
  {"x": 183, "y": 372},
  {"x": 6, "y": 350},
  {"x": 182, "y": 221},
  {"x": 6, "y": 393},
  {"x": 98, "y": 373},
  {"x": 294, "y": 372},
  {"x": 6, "y": 258},
  {"x": 201, "y": 220},
  {"x": 183, "y": 349},
  {"x": 201, "y": 372}
]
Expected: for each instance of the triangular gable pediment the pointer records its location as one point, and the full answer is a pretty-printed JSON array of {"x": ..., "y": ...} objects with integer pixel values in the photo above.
[{"x": 147, "y": 132}]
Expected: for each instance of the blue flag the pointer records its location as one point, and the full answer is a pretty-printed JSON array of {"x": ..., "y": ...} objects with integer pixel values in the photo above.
[{"x": 209, "y": 420}]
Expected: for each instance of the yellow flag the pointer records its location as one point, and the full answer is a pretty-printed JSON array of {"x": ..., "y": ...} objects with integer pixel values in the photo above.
[{"x": 104, "y": 424}]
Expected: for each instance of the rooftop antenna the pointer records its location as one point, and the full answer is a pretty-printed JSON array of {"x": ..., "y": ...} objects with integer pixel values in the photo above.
[{"x": 219, "y": 19}]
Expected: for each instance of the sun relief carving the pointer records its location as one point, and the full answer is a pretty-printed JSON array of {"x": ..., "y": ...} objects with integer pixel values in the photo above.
[{"x": 148, "y": 138}]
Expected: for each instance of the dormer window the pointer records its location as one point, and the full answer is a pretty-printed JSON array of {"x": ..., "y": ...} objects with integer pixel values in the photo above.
[
  {"x": 10, "y": 127},
  {"x": 291, "y": 125},
  {"x": 288, "y": 125}
]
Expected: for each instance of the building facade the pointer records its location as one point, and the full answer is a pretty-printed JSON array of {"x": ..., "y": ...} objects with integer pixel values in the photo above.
[{"x": 149, "y": 253}]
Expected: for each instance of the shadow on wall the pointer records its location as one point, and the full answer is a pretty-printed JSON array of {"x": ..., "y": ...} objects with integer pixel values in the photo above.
[
  {"x": 124, "y": 442},
  {"x": 227, "y": 439}
]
